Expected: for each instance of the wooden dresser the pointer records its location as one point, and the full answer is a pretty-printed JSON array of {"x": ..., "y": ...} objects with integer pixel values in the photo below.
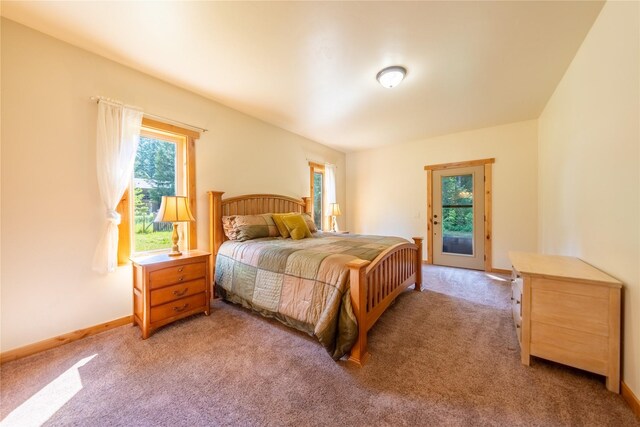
[
  {"x": 166, "y": 288},
  {"x": 567, "y": 311}
]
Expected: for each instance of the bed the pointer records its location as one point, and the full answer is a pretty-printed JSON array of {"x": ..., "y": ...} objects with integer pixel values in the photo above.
[{"x": 357, "y": 276}]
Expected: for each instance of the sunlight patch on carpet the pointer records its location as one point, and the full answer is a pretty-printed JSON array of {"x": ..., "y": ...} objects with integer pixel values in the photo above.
[
  {"x": 498, "y": 278},
  {"x": 36, "y": 410}
]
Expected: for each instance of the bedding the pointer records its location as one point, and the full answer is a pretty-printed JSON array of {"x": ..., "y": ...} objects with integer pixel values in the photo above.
[
  {"x": 277, "y": 218},
  {"x": 247, "y": 227},
  {"x": 297, "y": 227},
  {"x": 309, "y": 220},
  {"x": 302, "y": 283}
]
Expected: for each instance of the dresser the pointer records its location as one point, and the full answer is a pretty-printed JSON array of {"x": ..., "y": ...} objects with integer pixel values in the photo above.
[
  {"x": 567, "y": 311},
  {"x": 166, "y": 288}
]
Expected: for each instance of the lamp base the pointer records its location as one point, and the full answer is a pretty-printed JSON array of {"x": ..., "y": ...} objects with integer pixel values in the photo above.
[
  {"x": 174, "y": 253},
  {"x": 175, "y": 250},
  {"x": 334, "y": 224}
]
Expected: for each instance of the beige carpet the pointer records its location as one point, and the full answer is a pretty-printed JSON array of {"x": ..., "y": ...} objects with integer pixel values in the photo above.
[{"x": 446, "y": 356}]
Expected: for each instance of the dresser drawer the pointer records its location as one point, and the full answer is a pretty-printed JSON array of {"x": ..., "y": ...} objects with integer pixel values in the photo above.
[
  {"x": 174, "y": 292},
  {"x": 516, "y": 299},
  {"x": 516, "y": 304},
  {"x": 177, "y": 274},
  {"x": 177, "y": 307},
  {"x": 577, "y": 312}
]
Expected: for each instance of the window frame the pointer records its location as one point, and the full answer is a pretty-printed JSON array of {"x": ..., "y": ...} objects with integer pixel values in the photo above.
[
  {"x": 178, "y": 135},
  {"x": 313, "y": 169}
]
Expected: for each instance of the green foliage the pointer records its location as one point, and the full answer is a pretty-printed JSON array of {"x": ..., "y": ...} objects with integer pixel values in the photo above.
[
  {"x": 145, "y": 167},
  {"x": 140, "y": 206},
  {"x": 457, "y": 195},
  {"x": 457, "y": 190},
  {"x": 457, "y": 219},
  {"x": 153, "y": 241},
  {"x": 156, "y": 163},
  {"x": 165, "y": 172},
  {"x": 317, "y": 200},
  {"x": 141, "y": 211}
]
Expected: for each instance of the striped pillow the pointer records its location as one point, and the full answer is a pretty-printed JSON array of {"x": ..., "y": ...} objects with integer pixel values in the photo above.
[
  {"x": 247, "y": 227},
  {"x": 309, "y": 220},
  {"x": 228, "y": 226}
]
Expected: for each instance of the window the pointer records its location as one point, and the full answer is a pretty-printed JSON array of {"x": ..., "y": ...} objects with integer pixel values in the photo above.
[
  {"x": 317, "y": 194},
  {"x": 164, "y": 166}
]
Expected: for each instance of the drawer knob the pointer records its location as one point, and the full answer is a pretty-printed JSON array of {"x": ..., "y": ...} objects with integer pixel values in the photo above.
[
  {"x": 180, "y": 279},
  {"x": 179, "y": 309},
  {"x": 180, "y": 293},
  {"x": 180, "y": 269}
]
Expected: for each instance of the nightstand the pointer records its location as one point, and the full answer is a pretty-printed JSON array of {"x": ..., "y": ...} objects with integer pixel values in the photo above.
[{"x": 166, "y": 288}]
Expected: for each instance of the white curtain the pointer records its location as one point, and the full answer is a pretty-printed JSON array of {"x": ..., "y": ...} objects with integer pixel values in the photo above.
[
  {"x": 329, "y": 191},
  {"x": 117, "y": 142}
]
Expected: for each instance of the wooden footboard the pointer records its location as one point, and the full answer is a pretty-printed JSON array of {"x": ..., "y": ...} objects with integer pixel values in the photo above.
[{"x": 374, "y": 286}]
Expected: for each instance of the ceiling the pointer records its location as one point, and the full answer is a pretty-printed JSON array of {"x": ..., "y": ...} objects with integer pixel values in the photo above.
[{"x": 310, "y": 67}]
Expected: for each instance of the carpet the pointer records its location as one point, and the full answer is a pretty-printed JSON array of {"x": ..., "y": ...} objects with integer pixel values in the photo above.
[{"x": 445, "y": 356}]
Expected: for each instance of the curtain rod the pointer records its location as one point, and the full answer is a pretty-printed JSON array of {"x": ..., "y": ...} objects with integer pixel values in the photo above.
[{"x": 97, "y": 99}]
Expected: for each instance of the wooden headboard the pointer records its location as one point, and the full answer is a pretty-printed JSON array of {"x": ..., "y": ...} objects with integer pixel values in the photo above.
[{"x": 249, "y": 204}]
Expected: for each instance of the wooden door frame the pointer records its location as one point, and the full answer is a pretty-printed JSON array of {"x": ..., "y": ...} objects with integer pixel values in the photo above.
[{"x": 487, "y": 204}]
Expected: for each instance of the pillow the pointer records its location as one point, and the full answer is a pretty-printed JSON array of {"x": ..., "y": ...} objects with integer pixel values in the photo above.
[
  {"x": 247, "y": 227},
  {"x": 310, "y": 224},
  {"x": 277, "y": 218},
  {"x": 297, "y": 226},
  {"x": 228, "y": 226}
]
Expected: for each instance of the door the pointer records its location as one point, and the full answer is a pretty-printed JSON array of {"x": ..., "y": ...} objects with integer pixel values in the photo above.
[{"x": 458, "y": 217}]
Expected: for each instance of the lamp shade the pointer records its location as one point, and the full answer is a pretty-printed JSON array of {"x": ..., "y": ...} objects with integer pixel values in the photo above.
[
  {"x": 335, "y": 209},
  {"x": 174, "y": 209}
]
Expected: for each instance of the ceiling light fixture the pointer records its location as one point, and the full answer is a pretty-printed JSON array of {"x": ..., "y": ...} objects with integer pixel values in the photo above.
[{"x": 391, "y": 76}]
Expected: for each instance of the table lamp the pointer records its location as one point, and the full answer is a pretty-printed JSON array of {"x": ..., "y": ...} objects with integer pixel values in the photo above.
[
  {"x": 174, "y": 209},
  {"x": 335, "y": 211}
]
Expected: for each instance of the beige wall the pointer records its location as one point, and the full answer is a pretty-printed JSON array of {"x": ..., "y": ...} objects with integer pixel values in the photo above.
[
  {"x": 589, "y": 162},
  {"x": 387, "y": 186},
  {"x": 51, "y": 210}
]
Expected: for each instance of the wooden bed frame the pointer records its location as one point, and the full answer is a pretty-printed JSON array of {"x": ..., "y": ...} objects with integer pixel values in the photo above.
[{"x": 373, "y": 284}]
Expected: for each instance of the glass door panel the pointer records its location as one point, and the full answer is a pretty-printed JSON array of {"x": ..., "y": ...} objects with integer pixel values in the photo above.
[{"x": 457, "y": 214}]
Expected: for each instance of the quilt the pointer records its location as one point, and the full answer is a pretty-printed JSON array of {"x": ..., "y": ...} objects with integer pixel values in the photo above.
[{"x": 302, "y": 283}]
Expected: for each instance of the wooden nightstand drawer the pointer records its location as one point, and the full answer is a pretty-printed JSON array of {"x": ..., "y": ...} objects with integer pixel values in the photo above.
[
  {"x": 177, "y": 274},
  {"x": 181, "y": 290},
  {"x": 178, "y": 307}
]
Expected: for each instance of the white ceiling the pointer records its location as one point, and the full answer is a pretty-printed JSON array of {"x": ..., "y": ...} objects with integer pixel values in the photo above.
[{"x": 310, "y": 67}]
